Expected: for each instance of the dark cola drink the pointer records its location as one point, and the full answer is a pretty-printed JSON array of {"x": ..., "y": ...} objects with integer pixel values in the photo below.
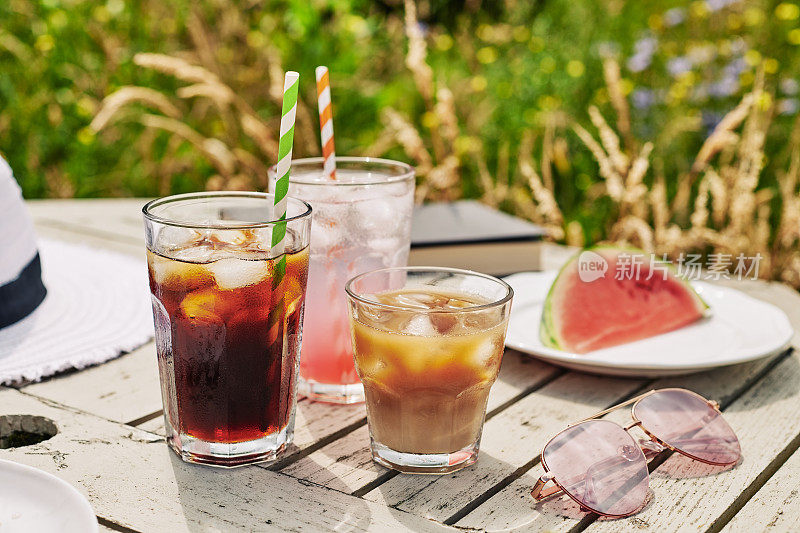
[{"x": 228, "y": 328}]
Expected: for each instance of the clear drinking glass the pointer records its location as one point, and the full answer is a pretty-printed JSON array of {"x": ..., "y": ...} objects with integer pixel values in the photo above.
[
  {"x": 228, "y": 318},
  {"x": 428, "y": 344},
  {"x": 362, "y": 221}
]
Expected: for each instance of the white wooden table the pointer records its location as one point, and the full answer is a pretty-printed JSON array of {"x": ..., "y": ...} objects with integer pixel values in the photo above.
[{"x": 109, "y": 443}]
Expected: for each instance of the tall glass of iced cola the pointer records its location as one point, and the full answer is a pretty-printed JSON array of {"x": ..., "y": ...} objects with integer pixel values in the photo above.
[{"x": 228, "y": 313}]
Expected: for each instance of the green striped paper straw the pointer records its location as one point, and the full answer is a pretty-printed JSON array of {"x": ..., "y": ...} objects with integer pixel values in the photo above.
[
  {"x": 284, "y": 167},
  {"x": 276, "y": 317}
]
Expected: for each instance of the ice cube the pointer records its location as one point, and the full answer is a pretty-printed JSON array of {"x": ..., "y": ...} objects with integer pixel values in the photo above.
[
  {"x": 377, "y": 215},
  {"x": 443, "y": 322},
  {"x": 333, "y": 211},
  {"x": 486, "y": 352},
  {"x": 412, "y": 300},
  {"x": 372, "y": 367},
  {"x": 420, "y": 325},
  {"x": 387, "y": 247},
  {"x": 483, "y": 319},
  {"x": 234, "y": 273},
  {"x": 173, "y": 237},
  {"x": 176, "y": 275},
  {"x": 364, "y": 263},
  {"x": 374, "y": 315},
  {"x": 293, "y": 295},
  {"x": 261, "y": 238},
  {"x": 230, "y": 236},
  {"x": 199, "y": 254},
  {"x": 324, "y": 236}
]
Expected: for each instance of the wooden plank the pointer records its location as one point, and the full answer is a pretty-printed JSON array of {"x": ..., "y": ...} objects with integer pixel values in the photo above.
[
  {"x": 77, "y": 237},
  {"x": 132, "y": 479},
  {"x": 511, "y": 440},
  {"x": 346, "y": 464},
  {"x": 776, "y": 506},
  {"x": 690, "y": 496},
  {"x": 115, "y": 219},
  {"x": 154, "y": 425},
  {"x": 316, "y": 421},
  {"x": 513, "y": 506},
  {"x": 122, "y": 389}
]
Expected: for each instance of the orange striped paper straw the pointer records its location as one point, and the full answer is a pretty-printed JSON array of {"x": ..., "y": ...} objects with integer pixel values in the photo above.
[{"x": 326, "y": 122}]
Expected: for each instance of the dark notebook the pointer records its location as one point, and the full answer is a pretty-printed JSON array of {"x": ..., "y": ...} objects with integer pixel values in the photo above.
[{"x": 468, "y": 234}]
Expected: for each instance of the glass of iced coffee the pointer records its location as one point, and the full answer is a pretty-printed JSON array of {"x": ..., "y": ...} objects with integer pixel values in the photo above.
[
  {"x": 228, "y": 313},
  {"x": 428, "y": 344},
  {"x": 362, "y": 221}
]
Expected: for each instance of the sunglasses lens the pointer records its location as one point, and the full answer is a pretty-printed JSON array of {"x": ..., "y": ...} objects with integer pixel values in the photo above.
[
  {"x": 689, "y": 424},
  {"x": 600, "y": 466}
]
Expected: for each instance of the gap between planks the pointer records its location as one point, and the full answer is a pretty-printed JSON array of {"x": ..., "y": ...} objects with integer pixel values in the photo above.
[{"x": 113, "y": 526}]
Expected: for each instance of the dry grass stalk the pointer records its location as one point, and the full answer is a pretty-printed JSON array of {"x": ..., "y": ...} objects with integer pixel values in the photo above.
[
  {"x": 126, "y": 96},
  {"x": 236, "y": 164},
  {"x": 544, "y": 210},
  {"x": 623, "y": 174},
  {"x": 616, "y": 95},
  {"x": 730, "y": 214},
  {"x": 722, "y": 136},
  {"x": 215, "y": 150},
  {"x": 613, "y": 180},
  {"x": 610, "y": 142},
  {"x": 177, "y": 67},
  {"x": 438, "y": 169}
]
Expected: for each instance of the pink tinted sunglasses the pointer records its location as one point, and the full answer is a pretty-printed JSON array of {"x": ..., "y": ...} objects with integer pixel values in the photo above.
[{"x": 598, "y": 464}]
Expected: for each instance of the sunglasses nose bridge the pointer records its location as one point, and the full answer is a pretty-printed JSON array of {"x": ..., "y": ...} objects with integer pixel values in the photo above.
[
  {"x": 632, "y": 425},
  {"x": 650, "y": 446}
]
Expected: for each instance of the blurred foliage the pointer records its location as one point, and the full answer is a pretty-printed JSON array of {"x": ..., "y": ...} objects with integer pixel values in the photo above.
[{"x": 519, "y": 71}]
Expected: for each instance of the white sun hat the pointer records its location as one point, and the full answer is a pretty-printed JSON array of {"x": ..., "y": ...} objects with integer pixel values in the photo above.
[{"x": 62, "y": 306}]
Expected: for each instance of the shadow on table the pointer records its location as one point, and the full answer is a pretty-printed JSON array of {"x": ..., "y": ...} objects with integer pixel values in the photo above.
[
  {"x": 681, "y": 467},
  {"x": 566, "y": 507},
  {"x": 255, "y": 499},
  {"x": 444, "y": 494}
]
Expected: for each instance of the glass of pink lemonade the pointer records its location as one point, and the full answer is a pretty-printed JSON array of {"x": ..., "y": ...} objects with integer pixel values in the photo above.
[{"x": 361, "y": 222}]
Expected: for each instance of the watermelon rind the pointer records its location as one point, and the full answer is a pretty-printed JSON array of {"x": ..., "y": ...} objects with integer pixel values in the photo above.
[{"x": 548, "y": 332}]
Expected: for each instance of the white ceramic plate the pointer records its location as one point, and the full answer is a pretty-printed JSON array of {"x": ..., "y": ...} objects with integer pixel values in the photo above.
[
  {"x": 33, "y": 500},
  {"x": 739, "y": 329}
]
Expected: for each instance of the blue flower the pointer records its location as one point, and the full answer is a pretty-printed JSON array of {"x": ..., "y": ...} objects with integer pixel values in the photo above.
[
  {"x": 674, "y": 16},
  {"x": 643, "y": 98},
  {"x": 679, "y": 65},
  {"x": 639, "y": 62},
  {"x": 716, "y": 5},
  {"x": 727, "y": 86},
  {"x": 789, "y": 86},
  {"x": 788, "y": 106}
]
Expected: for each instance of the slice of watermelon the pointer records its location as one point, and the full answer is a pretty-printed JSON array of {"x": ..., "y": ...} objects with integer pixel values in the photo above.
[{"x": 594, "y": 303}]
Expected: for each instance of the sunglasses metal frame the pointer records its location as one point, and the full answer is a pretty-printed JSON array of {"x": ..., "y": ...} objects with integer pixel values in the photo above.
[{"x": 649, "y": 448}]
